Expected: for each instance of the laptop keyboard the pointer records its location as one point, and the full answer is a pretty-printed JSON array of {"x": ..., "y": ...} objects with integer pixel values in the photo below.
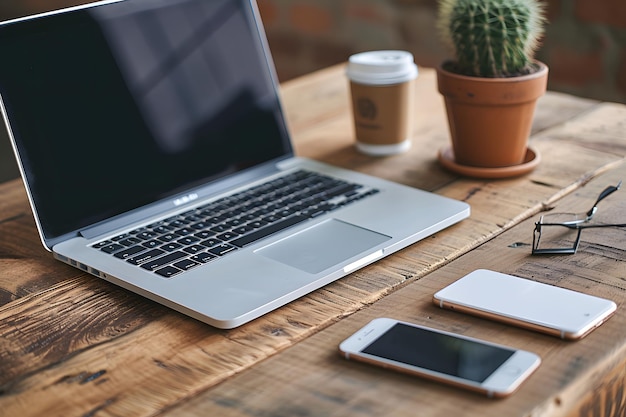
[{"x": 208, "y": 232}]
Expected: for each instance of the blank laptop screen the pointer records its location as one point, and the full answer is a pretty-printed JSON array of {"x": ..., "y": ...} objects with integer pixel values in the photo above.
[{"x": 116, "y": 106}]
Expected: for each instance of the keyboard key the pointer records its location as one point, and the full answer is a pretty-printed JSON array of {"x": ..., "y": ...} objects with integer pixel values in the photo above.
[
  {"x": 201, "y": 225},
  {"x": 203, "y": 257},
  {"x": 210, "y": 242},
  {"x": 185, "y": 264},
  {"x": 168, "y": 272},
  {"x": 341, "y": 189},
  {"x": 147, "y": 235},
  {"x": 234, "y": 223},
  {"x": 194, "y": 249},
  {"x": 193, "y": 218},
  {"x": 256, "y": 224},
  {"x": 184, "y": 231},
  {"x": 243, "y": 229},
  {"x": 216, "y": 219},
  {"x": 188, "y": 240},
  {"x": 145, "y": 256},
  {"x": 268, "y": 230},
  {"x": 222, "y": 249},
  {"x": 313, "y": 212},
  {"x": 172, "y": 246},
  {"x": 152, "y": 243},
  {"x": 162, "y": 229},
  {"x": 168, "y": 237},
  {"x": 220, "y": 228},
  {"x": 130, "y": 241},
  {"x": 102, "y": 244},
  {"x": 227, "y": 236},
  {"x": 204, "y": 234},
  {"x": 285, "y": 212},
  {"x": 129, "y": 252},
  {"x": 163, "y": 260},
  {"x": 178, "y": 223},
  {"x": 270, "y": 219},
  {"x": 112, "y": 248},
  {"x": 183, "y": 241}
]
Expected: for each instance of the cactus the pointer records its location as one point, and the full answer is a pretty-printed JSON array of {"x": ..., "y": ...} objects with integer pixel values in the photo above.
[{"x": 492, "y": 38}]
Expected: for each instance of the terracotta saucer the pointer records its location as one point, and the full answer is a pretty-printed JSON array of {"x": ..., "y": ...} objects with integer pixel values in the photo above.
[{"x": 532, "y": 159}]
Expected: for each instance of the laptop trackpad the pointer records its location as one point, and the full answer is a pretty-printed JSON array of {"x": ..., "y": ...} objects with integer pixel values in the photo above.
[{"x": 323, "y": 245}]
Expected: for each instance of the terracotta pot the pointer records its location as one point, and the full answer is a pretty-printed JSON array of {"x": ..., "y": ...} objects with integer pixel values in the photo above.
[{"x": 490, "y": 118}]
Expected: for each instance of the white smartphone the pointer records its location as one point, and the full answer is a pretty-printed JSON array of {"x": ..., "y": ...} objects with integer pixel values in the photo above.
[
  {"x": 533, "y": 305},
  {"x": 480, "y": 366}
]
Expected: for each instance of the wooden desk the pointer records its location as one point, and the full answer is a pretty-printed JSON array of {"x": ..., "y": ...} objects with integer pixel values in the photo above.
[{"x": 73, "y": 345}]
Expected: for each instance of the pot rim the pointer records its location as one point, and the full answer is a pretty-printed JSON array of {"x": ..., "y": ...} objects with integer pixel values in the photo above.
[{"x": 543, "y": 68}]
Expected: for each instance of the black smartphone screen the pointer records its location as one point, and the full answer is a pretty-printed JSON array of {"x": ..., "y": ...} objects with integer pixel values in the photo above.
[{"x": 439, "y": 352}]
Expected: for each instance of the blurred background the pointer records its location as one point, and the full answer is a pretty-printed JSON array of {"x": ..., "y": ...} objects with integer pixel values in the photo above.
[{"x": 584, "y": 44}]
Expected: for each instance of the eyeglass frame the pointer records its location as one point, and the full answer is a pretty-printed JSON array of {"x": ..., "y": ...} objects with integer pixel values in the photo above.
[{"x": 578, "y": 225}]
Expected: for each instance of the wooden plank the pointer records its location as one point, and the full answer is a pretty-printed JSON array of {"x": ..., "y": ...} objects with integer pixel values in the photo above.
[
  {"x": 133, "y": 354},
  {"x": 318, "y": 110},
  {"x": 39, "y": 330},
  {"x": 25, "y": 266},
  {"x": 72, "y": 342},
  {"x": 312, "y": 379},
  {"x": 608, "y": 396}
]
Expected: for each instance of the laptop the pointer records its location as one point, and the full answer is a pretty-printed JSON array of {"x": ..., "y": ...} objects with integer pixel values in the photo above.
[{"x": 155, "y": 155}]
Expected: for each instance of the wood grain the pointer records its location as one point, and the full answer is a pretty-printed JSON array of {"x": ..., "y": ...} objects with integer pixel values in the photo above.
[
  {"x": 312, "y": 376},
  {"x": 318, "y": 111},
  {"x": 71, "y": 344}
]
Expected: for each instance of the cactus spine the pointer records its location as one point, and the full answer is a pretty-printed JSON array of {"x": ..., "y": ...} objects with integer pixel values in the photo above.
[{"x": 491, "y": 38}]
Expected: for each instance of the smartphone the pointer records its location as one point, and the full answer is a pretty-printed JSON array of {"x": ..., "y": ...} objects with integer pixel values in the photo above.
[
  {"x": 533, "y": 305},
  {"x": 480, "y": 366}
]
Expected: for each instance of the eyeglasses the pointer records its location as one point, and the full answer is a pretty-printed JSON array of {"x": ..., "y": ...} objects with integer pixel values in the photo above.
[{"x": 559, "y": 233}]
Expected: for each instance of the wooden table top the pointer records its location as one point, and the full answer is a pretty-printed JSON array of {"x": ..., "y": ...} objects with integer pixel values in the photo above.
[{"x": 74, "y": 345}]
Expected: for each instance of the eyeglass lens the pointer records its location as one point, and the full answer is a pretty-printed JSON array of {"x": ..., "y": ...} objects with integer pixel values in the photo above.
[{"x": 560, "y": 232}]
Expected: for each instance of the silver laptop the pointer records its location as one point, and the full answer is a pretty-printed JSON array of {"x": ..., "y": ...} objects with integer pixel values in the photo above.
[{"x": 155, "y": 155}]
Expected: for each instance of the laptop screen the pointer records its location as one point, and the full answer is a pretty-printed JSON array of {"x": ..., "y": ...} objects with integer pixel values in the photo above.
[{"x": 117, "y": 106}]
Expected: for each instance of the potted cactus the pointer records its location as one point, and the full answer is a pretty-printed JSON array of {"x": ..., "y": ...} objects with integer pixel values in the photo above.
[{"x": 491, "y": 87}]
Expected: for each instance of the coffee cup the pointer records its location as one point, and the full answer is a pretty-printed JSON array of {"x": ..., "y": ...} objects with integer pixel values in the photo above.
[{"x": 382, "y": 91}]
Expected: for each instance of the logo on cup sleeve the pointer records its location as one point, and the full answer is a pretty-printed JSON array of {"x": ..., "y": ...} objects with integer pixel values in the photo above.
[{"x": 366, "y": 108}]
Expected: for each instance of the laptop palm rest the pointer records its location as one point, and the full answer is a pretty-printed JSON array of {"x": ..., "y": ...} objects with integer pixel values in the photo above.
[{"x": 320, "y": 247}]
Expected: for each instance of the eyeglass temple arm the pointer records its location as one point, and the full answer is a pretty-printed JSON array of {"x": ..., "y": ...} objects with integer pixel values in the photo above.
[
  {"x": 607, "y": 191},
  {"x": 596, "y": 226}
]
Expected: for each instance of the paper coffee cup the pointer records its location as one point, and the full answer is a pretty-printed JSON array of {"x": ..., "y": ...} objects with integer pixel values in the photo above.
[{"x": 381, "y": 85}]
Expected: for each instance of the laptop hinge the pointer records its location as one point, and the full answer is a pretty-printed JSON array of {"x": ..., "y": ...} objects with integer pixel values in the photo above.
[{"x": 200, "y": 194}]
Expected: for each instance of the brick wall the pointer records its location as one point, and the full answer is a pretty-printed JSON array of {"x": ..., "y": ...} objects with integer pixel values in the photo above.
[{"x": 584, "y": 44}]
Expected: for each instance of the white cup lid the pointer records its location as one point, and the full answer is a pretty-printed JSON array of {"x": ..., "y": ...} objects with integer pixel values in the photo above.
[{"x": 381, "y": 67}]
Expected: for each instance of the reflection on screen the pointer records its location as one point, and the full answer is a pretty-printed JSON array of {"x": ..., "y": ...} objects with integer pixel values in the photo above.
[
  {"x": 115, "y": 106},
  {"x": 439, "y": 352}
]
